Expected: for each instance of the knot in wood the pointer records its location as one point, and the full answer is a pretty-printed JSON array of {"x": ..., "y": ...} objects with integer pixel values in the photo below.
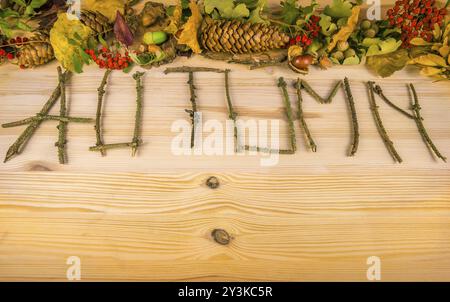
[
  {"x": 213, "y": 182},
  {"x": 221, "y": 236}
]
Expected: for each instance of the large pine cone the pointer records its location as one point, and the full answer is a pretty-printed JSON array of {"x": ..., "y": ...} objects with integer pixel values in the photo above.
[
  {"x": 37, "y": 52},
  {"x": 96, "y": 21},
  {"x": 240, "y": 37}
]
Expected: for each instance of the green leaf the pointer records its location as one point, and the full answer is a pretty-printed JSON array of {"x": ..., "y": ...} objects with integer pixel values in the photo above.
[
  {"x": 92, "y": 43},
  {"x": 84, "y": 56},
  {"x": 102, "y": 41},
  {"x": 384, "y": 47},
  {"x": 227, "y": 9},
  {"x": 7, "y": 12},
  {"x": 308, "y": 11},
  {"x": 352, "y": 61},
  {"x": 77, "y": 36},
  {"x": 386, "y": 65},
  {"x": 77, "y": 64},
  {"x": 255, "y": 15},
  {"x": 290, "y": 11},
  {"x": 29, "y": 11},
  {"x": 72, "y": 42},
  {"x": 128, "y": 69},
  {"x": 328, "y": 28},
  {"x": 5, "y": 28},
  {"x": 339, "y": 9},
  {"x": 20, "y": 2}
]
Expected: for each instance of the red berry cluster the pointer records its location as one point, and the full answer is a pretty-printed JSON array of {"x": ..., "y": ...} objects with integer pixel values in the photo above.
[
  {"x": 8, "y": 55},
  {"x": 312, "y": 31},
  {"x": 109, "y": 59},
  {"x": 416, "y": 18},
  {"x": 8, "y": 50}
]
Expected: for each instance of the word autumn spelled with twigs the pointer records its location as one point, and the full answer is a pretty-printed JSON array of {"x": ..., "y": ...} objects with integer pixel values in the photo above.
[{"x": 300, "y": 85}]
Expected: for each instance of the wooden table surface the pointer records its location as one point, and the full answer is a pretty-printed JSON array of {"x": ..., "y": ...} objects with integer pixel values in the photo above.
[{"x": 313, "y": 216}]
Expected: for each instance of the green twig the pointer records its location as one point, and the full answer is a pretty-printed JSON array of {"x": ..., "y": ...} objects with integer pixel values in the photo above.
[
  {"x": 301, "y": 117},
  {"x": 379, "y": 92},
  {"x": 112, "y": 146},
  {"x": 193, "y": 112},
  {"x": 317, "y": 97},
  {"x": 138, "y": 120},
  {"x": 98, "y": 119},
  {"x": 379, "y": 123},
  {"x": 290, "y": 116},
  {"x": 232, "y": 115},
  {"x": 418, "y": 118},
  {"x": 67, "y": 119},
  {"x": 62, "y": 127},
  {"x": 355, "y": 125},
  {"x": 20, "y": 143}
]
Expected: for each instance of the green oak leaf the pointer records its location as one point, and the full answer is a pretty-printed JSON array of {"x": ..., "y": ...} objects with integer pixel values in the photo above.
[
  {"x": 227, "y": 9},
  {"x": 328, "y": 28},
  {"x": 290, "y": 11},
  {"x": 384, "y": 47}
]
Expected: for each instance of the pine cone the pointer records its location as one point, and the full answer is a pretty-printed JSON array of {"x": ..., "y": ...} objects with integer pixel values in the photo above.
[
  {"x": 96, "y": 21},
  {"x": 36, "y": 53},
  {"x": 240, "y": 37}
]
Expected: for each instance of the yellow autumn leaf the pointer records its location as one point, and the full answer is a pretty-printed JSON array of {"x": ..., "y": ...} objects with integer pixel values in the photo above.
[
  {"x": 175, "y": 20},
  {"x": 430, "y": 71},
  {"x": 108, "y": 8},
  {"x": 344, "y": 33},
  {"x": 429, "y": 60},
  {"x": 63, "y": 31},
  {"x": 190, "y": 30}
]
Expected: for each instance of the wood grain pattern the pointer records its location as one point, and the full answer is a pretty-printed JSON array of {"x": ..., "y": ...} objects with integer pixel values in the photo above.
[{"x": 311, "y": 217}]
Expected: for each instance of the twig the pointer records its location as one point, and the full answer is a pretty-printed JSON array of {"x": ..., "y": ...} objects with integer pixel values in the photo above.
[
  {"x": 62, "y": 127},
  {"x": 22, "y": 140},
  {"x": 379, "y": 123},
  {"x": 67, "y": 119},
  {"x": 301, "y": 117},
  {"x": 138, "y": 120},
  {"x": 317, "y": 97},
  {"x": 232, "y": 115},
  {"x": 187, "y": 69},
  {"x": 193, "y": 112},
  {"x": 98, "y": 118},
  {"x": 112, "y": 146},
  {"x": 268, "y": 150},
  {"x": 418, "y": 118},
  {"x": 379, "y": 92},
  {"x": 287, "y": 105},
  {"x": 266, "y": 64},
  {"x": 355, "y": 125}
]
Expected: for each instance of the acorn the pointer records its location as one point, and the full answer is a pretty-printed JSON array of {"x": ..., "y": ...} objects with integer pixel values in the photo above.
[
  {"x": 338, "y": 55},
  {"x": 157, "y": 37},
  {"x": 366, "y": 24},
  {"x": 342, "y": 45},
  {"x": 349, "y": 53},
  {"x": 370, "y": 33}
]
